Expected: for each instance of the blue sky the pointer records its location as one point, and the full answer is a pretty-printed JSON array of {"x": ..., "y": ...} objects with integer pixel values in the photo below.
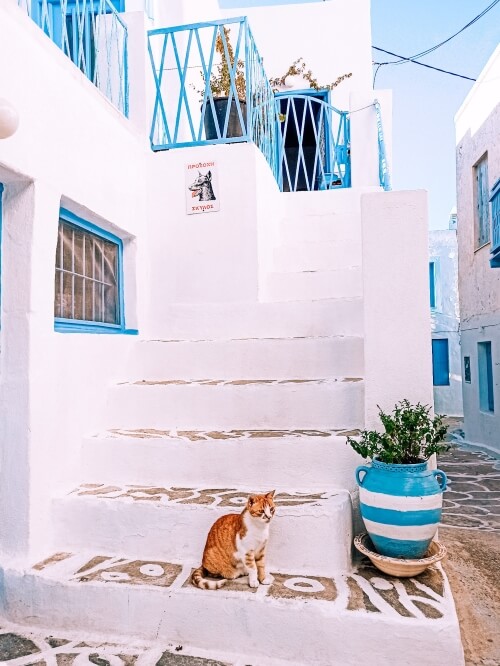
[{"x": 425, "y": 101}]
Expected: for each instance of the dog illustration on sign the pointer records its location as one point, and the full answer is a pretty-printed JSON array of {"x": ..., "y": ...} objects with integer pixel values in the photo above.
[{"x": 202, "y": 187}]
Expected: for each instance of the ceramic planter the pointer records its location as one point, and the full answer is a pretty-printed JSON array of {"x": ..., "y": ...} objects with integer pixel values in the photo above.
[
  {"x": 211, "y": 121},
  {"x": 400, "y": 506}
]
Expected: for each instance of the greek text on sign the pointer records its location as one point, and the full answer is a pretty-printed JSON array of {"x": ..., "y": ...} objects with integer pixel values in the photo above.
[{"x": 202, "y": 188}]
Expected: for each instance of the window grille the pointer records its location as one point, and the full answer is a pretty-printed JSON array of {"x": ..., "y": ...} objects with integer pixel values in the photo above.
[{"x": 87, "y": 276}]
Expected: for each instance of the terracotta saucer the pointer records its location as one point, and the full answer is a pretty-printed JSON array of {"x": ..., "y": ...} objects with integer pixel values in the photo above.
[{"x": 395, "y": 566}]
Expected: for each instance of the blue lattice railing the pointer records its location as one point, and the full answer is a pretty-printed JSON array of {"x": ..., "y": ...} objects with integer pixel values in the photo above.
[
  {"x": 495, "y": 225},
  {"x": 383, "y": 167},
  {"x": 211, "y": 87},
  {"x": 92, "y": 34},
  {"x": 314, "y": 148}
]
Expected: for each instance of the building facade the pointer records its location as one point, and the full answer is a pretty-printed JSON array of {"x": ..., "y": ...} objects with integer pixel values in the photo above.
[
  {"x": 478, "y": 170},
  {"x": 445, "y": 320},
  {"x": 192, "y": 310}
]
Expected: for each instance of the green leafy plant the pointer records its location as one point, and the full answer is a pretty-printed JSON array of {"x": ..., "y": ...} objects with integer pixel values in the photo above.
[
  {"x": 220, "y": 79},
  {"x": 410, "y": 435},
  {"x": 299, "y": 68}
]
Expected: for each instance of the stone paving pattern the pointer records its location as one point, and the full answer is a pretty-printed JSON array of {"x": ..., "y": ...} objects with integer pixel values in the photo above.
[
  {"x": 473, "y": 498},
  {"x": 223, "y": 497}
]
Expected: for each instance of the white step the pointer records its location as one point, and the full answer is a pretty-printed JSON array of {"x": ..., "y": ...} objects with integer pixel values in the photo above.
[
  {"x": 363, "y": 617},
  {"x": 321, "y": 228},
  {"x": 207, "y": 404},
  {"x": 311, "y": 531},
  {"x": 253, "y": 359},
  {"x": 225, "y": 321},
  {"x": 292, "y": 459},
  {"x": 316, "y": 256},
  {"x": 315, "y": 285},
  {"x": 332, "y": 202}
]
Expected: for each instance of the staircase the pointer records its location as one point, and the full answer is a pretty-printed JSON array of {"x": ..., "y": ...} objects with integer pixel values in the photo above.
[{"x": 240, "y": 398}]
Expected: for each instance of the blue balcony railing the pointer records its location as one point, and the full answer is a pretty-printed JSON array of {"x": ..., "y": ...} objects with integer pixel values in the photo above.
[
  {"x": 383, "y": 167},
  {"x": 495, "y": 225},
  {"x": 211, "y": 87},
  {"x": 314, "y": 151},
  {"x": 92, "y": 34}
]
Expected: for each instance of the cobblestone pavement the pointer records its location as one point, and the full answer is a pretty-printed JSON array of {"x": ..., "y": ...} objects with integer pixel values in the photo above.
[{"x": 471, "y": 534}]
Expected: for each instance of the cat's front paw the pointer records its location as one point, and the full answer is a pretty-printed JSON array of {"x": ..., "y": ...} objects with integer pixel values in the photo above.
[
  {"x": 267, "y": 580},
  {"x": 253, "y": 581}
]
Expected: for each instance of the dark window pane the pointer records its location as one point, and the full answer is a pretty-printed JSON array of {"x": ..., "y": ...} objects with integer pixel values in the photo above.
[
  {"x": 57, "y": 294},
  {"x": 110, "y": 305},
  {"x": 79, "y": 243},
  {"x": 67, "y": 296},
  {"x": 67, "y": 248},
  {"x": 89, "y": 308},
  {"x": 98, "y": 259},
  {"x": 59, "y": 247},
  {"x": 78, "y": 298},
  {"x": 110, "y": 261},
  {"x": 89, "y": 256}
]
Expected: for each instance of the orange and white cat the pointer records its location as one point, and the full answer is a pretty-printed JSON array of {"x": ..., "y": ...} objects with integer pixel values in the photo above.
[{"x": 236, "y": 546}]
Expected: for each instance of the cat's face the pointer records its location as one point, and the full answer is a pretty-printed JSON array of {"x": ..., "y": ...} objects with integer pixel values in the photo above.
[{"x": 261, "y": 507}]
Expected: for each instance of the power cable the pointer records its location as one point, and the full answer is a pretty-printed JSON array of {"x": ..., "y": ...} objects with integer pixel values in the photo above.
[
  {"x": 416, "y": 62},
  {"x": 448, "y": 39}
]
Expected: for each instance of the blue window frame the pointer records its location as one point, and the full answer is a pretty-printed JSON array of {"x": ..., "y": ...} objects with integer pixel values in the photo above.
[
  {"x": 440, "y": 362},
  {"x": 432, "y": 283},
  {"x": 495, "y": 225},
  {"x": 482, "y": 202},
  {"x": 88, "y": 278},
  {"x": 485, "y": 366}
]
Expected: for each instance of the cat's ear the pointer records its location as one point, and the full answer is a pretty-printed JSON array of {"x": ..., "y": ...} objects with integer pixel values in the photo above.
[
  {"x": 270, "y": 495},
  {"x": 251, "y": 501}
]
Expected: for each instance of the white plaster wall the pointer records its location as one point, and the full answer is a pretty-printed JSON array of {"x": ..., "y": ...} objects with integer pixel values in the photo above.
[
  {"x": 478, "y": 132},
  {"x": 395, "y": 287},
  {"x": 71, "y": 146},
  {"x": 445, "y": 317},
  {"x": 322, "y": 33}
]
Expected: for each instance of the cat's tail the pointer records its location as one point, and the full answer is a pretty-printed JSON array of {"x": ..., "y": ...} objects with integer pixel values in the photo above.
[{"x": 203, "y": 583}]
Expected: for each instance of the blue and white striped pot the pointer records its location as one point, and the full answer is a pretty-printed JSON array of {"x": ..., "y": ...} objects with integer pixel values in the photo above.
[{"x": 401, "y": 506}]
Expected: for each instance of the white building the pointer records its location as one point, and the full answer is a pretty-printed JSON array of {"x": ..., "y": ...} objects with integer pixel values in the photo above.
[
  {"x": 478, "y": 172},
  {"x": 165, "y": 352},
  {"x": 445, "y": 320}
]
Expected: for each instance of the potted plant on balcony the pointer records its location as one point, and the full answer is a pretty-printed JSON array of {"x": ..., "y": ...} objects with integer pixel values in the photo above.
[
  {"x": 400, "y": 498},
  {"x": 220, "y": 85}
]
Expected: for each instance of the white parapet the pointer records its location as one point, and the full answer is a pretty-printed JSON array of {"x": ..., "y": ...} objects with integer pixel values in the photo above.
[{"x": 396, "y": 301}]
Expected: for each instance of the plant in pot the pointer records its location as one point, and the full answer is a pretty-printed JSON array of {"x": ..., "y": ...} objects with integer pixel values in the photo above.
[
  {"x": 400, "y": 498},
  {"x": 220, "y": 85}
]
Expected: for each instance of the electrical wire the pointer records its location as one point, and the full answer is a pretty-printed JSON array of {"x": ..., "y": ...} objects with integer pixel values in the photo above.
[
  {"x": 416, "y": 62},
  {"x": 413, "y": 58},
  {"x": 448, "y": 39}
]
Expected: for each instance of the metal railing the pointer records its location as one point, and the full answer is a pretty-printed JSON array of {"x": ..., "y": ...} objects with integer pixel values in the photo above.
[
  {"x": 92, "y": 34},
  {"x": 314, "y": 151},
  {"x": 211, "y": 87},
  {"x": 383, "y": 168}
]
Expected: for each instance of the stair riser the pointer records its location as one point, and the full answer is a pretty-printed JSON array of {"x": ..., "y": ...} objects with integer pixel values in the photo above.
[
  {"x": 324, "y": 256},
  {"x": 265, "y": 463},
  {"x": 346, "y": 283},
  {"x": 321, "y": 228},
  {"x": 332, "y": 406},
  {"x": 251, "y": 628},
  {"x": 318, "y": 540},
  {"x": 249, "y": 359},
  {"x": 260, "y": 320}
]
